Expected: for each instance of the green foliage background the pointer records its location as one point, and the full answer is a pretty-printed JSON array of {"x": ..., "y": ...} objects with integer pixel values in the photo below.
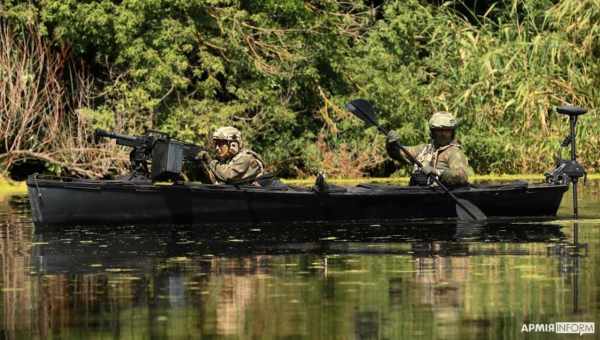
[{"x": 281, "y": 70}]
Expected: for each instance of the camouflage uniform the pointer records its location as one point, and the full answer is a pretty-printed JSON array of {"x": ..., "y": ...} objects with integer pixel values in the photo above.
[
  {"x": 243, "y": 168},
  {"x": 449, "y": 161}
]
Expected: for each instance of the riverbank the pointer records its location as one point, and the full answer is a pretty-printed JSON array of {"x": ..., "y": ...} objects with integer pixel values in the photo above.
[
  {"x": 500, "y": 67},
  {"x": 9, "y": 187}
]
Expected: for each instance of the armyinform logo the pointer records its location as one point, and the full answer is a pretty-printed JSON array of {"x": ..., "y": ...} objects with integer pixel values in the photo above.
[{"x": 580, "y": 328}]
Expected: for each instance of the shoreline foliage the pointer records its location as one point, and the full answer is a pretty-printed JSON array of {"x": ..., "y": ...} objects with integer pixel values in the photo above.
[{"x": 281, "y": 71}]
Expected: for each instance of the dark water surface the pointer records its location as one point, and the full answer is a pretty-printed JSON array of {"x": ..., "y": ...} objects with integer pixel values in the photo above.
[{"x": 299, "y": 282}]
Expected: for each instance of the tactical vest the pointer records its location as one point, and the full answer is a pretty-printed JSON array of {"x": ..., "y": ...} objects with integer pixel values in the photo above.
[
  {"x": 261, "y": 166},
  {"x": 261, "y": 163},
  {"x": 428, "y": 156}
]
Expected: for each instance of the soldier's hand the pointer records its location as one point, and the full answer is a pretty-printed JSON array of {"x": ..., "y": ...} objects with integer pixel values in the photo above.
[
  {"x": 204, "y": 157},
  {"x": 430, "y": 171},
  {"x": 392, "y": 137}
]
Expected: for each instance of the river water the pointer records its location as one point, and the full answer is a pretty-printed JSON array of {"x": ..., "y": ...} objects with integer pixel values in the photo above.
[{"x": 300, "y": 282}]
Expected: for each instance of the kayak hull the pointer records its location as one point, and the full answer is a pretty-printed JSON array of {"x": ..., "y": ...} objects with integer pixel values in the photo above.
[{"x": 60, "y": 201}]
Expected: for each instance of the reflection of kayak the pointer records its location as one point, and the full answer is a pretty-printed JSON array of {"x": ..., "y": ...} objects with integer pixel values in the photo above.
[
  {"x": 67, "y": 201},
  {"x": 77, "y": 250}
]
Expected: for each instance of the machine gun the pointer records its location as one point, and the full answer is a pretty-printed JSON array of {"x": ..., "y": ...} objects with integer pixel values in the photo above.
[{"x": 165, "y": 154}]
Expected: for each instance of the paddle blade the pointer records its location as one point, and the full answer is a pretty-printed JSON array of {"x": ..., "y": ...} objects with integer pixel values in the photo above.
[
  {"x": 362, "y": 109},
  {"x": 468, "y": 212}
]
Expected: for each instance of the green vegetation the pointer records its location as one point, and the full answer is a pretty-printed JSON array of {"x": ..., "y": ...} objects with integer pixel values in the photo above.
[{"x": 282, "y": 71}]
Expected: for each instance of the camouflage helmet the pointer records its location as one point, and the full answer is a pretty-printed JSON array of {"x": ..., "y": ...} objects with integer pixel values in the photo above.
[
  {"x": 441, "y": 120},
  {"x": 228, "y": 133}
]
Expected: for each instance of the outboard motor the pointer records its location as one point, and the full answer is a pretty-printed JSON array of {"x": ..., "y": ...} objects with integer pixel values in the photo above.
[{"x": 568, "y": 170}]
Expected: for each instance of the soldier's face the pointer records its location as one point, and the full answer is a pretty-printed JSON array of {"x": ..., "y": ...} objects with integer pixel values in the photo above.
[
  {"x": 222, "y": 149},
  {"x": 442, "y": 137}
]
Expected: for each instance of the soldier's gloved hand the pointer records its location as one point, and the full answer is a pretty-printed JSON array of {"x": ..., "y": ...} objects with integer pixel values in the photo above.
[
  {"x": 204, "y": 157},
  {"x": 430, "y": 171},
  {"x": 392, "y": 137}
]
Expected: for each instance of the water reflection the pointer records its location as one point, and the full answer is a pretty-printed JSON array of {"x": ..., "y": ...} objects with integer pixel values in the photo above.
[
  {"x": 570, "y": 256},
  {"x": 342, "y": 281},
  {"x": 84, "y": 250}
]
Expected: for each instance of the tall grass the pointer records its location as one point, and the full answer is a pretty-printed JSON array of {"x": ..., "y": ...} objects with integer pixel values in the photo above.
[
  {"x": 501, "y": 75},
  {"x": 41, "y": 93}
]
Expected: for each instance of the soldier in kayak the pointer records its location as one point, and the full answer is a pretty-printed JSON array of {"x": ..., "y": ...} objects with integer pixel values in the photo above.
[
  {"x": 234, "y": 165},
  {"x": 442, "y": 156}
]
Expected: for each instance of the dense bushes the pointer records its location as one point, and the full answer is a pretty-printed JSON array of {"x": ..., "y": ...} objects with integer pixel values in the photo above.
[{"x": 282, "y": 70}]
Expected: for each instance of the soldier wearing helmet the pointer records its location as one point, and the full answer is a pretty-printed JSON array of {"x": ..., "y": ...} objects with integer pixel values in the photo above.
[
  {"x": 442, "y": 156},
  {"x": 234, "y": 165}
]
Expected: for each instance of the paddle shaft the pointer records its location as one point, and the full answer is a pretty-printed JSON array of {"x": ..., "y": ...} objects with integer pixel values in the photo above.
[{"x": 420, "y": 166}]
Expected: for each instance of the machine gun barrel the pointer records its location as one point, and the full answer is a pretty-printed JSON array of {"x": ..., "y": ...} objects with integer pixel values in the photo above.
[{"x": 120, "y": 138}]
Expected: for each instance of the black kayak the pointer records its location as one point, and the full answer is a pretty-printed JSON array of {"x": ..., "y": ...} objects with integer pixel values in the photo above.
[{"x": 69, "y": 201}]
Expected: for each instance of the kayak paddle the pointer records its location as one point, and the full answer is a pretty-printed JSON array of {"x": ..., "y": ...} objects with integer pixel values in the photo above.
[{"x": 465, "y": 210}]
